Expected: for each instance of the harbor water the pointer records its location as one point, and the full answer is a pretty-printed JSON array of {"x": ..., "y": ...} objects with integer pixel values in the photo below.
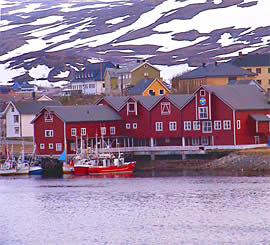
[{"x": 137, "y": 210}]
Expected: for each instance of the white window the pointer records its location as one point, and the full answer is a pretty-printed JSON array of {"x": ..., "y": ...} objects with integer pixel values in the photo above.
[
  {"x": 204, "y": 141},
  {"x": 187, "y": 125},
  {"x": 15, "y": 118},
  {"x": 165, "y": 108},
  {"x": 51, "y": 146},
  {"x": 58, "y": 147},
  {"x": 102, "y": 130},
  {"x": 48, "y": 133},
  {"x": 42, "y": 146},
  {"x": 73, "y": 132},
  {"x": 195, "y": 141},
  {"x": 226, "y": 124},
  {"x": 134, "y": 125},
  {"x": 196, "y": 125},
  {"x": 48, "y": 117},
  {"x": 159, "y": 126},
  {"x": 238, "y": 124},
  {"x": 112, "y": 130},
  {"x": 127, "y": 125},
  {"x": 72, "y": 146},
  {"x": 172, "y": 126},
  {"x": 203, "y": 113},
  {"x": 161, "y": 91},
  {"x": 207, "y": 127},
  {"x": 131, "y": 107},
  {"x": 217, "y": 125},
  {"x": 146, "y": 74},
  {"x": 16, "y": 130},
  {"x": 202, "y": 92},
  {"x": 83, "y": 131}
]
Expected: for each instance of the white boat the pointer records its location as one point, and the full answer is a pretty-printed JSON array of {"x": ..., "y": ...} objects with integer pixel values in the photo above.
[
  {"x": 7, "y": 168},
  {"x": 22, "y": 166}
]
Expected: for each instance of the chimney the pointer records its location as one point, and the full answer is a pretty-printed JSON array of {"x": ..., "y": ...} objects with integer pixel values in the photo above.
[{"x": 240, "y": 53}]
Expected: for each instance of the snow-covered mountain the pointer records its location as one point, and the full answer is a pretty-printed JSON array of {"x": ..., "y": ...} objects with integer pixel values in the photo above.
[{"x": 51, "y": 39}]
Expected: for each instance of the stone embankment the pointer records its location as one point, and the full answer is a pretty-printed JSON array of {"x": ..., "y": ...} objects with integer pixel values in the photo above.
[{"x": 252, "y": 161}]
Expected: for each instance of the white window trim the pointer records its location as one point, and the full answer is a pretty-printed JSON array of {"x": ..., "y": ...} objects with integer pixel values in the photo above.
[
  {"x": 207, "y": 122},
  {"x": 195, "y": 124},
  {"x": 161, "y": 93},
  {"x": 159, "y": 126},
  {"x": 83, "y": 131},
  {"x": 225, "y": 124},
  {"x": 206, "y": 142},
  {"x": 187, "y": 125},
  {"x": 238, "y": 122},
  {"x": 204, "y": 108},
  {"x": 128, "y": 106},
  {"x": 173, "y": 126},
  {"x": 73, "y": 132},
  {"x": 48, "y": 117},
  {"x": 152, "y": 92},
  {"x": 195, "y": 141},
  {"x": 112, "y": 130},
  {"x": 103, "y": 130},
  {"x": 58, "y": 146},
  {"x": 50, "y": 133},
  {"x": 202, "y": 94},
  {"x": 127, "y": 125},
  {"x": 51, "y": 146},
  {"x": 167, "y": 106},
  {"x": 216, "y": 123},
  {"x": 42, "y": 146},
  {"x": 134, "y": 125}
]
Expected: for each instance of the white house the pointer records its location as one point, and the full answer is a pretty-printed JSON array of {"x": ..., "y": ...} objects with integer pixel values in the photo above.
[{"x": 19, "y": 116}]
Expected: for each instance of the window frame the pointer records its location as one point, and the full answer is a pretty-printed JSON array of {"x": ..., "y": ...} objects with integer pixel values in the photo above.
[
  {"x": 205, "y": 126},
  {"x": 73, "y": 131},
  {"x": 48, "y": 117},
  {"x": 238, "y": 124},
  {"x": 42, "y": 146},
  {"x": 112, "y": 130},
  {"x": 134, "y": 125},
  {"x": 83, "y": 131},
  {"x": 128, "y": 125},
  {"x": 50, "y": 146},
  {"x": 17, "y": 118},
  {"x": 217, "y": 123},
  {"x": 48, "y": 133},
  {"x": 173, "y": 126},
  {"x": 195, "y": 141},
  {"x": 166, "y": 105},
  {"x": 159, "y": 126},
  {"x": 159, "y": 91},
  {"x": 58, "y": 146},
  {"x": 225, "y": 125},
  {"x": 202, "y": 93},
  {"x": 202, "y": 113},
  {"x": 187, "y": 125},
  {"x": 102, "y": 130},
  {"x": 195, "y": 125}
]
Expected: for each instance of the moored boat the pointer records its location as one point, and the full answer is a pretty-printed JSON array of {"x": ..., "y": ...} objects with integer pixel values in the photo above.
[
  {"x": 35, "y": 170},
  {"x": 109, "y": 164},
  {"x": 7, "y": 168}
]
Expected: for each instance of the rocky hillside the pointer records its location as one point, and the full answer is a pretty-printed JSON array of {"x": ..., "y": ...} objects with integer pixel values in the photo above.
[{"x": 48, "y": 39}]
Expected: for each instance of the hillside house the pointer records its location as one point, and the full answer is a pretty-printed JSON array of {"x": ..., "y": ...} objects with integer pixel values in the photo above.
[
  {"x": 257, "y": 63},
  {"x": 212, "y": 74}
]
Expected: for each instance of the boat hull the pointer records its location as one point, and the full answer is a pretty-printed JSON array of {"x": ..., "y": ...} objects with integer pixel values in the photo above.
[
  {"x": 124, "y": 169},
  {"x": 35, "y": 170},
  {"x": 81, "y": 170},
  {"x": 7, "y": 172}
]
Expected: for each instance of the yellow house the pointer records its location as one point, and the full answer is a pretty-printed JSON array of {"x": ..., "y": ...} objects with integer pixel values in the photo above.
[
  {"x": 118, "y": 80},
  {"x": 258, "y": 63},
  {"x": 149, "y": 87},
  {"x": 213, "y": 74}
]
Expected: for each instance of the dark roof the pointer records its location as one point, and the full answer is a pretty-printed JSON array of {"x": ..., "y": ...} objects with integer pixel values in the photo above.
[
  {"x": 139, "y": 88},
  {"x": 244, "y": 97},
  {"x": 147, "y": 101},
  {"x": 179, "y": 99},
  {"x": 246, "y": 82},
  {"x": 93, "y": 72},
  {"x": 217, "y": 70},
  {"x": 5, "y": 89},
  {"x": 260, "y": 117},
  {"x": 33, "y": 107},
  {"x": 85, "y": 113},
  {"x": 251, "y": 60}
]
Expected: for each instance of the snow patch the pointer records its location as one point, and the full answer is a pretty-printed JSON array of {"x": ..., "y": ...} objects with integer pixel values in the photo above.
[
  {"x": 8, "y": 74},
  {"x": 62, "y": 74},
  {"x": 41, "y": 71},
  {"x": 116, "y": 20},
  {"x": 27, "y": 9}
]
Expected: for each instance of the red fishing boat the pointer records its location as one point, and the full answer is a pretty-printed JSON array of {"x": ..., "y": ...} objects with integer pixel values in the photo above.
[{"x": 109, "y": 164}]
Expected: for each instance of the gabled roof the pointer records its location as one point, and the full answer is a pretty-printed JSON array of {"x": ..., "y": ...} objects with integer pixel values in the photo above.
[
  {"x": 179, "y": 99},
  {"x": 33, "y": 107},
  {"x": 251, "y": 60},
  {"x": 244, "y": 97},
  {"x": 134, "y": 66},
  {"x": 260, "y": 117},
  {"x": 216, "y": 70},
  {"x": 139, "y": 88},
  {"x": 85, "y": 113},
  {"x": 246, "y": 82},
  {"x": 117, "y": 102}
]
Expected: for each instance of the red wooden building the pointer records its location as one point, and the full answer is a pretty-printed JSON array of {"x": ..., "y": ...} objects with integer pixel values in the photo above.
[
  {"x": 214, "y": 116},
  {"x": 64, "y": 127}
]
